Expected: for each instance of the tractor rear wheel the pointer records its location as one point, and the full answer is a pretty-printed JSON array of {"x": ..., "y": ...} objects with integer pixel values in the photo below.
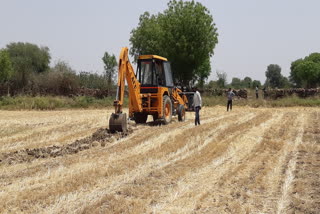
[
  {"x": 181, "y": 113},
  {"x": 167, "y": 109}
]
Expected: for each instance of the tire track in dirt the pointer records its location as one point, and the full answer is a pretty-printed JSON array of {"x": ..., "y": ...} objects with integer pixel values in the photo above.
[
  {"x": 37, "y": 129},
  {"x": 136, "y": 138},
  {"x": 291, "y": 165},
  {"x": 141, "y": 186},
  {"x": 160, "y": 175},
  {"x": 143, "y": 146},
  {"x": 198, "y": 184},
  {"x": 172, "y": 141},
  {"x": 87, "y": 182},
  {"x": 275, "y": 179},
  {"x": 248, "y": 186},
  {"x": 303, "y": 196},
  {"x": 131, "y": 166},
  {"x": 210, "y": 151},
  {"x": 144, "y": 172},
  {"x": 256, "y": 185}
]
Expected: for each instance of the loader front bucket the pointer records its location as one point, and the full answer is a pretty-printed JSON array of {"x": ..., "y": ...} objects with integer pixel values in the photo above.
[{"x": 118, "y": 122}]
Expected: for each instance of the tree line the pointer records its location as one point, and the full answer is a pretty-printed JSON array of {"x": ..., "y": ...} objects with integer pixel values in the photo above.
[
  {"x": 185, "y": 33},
  {"x": 304, "y": 73},
  {"x": 25, "y": 69}
]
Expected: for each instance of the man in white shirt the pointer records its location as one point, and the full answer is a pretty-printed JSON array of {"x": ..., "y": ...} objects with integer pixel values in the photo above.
[{"x": 197, "y": 103}]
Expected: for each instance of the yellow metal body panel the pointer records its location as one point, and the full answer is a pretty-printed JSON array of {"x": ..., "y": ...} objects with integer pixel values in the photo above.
[
  {"x": 179, "y": 99},
  {"x": 125, "y": 72},
  {"x": 152, "y": 57},
  {"x": 152, "y": 103}
]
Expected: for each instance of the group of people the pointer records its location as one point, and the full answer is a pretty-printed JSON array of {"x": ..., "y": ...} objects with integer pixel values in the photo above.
[{"x": 197, "y": 103}]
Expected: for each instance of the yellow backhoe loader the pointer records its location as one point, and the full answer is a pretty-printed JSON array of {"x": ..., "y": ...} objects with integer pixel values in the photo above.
[{"x": 151, "y": 92}]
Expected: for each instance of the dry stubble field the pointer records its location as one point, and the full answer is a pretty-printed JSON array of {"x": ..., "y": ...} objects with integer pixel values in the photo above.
[{"x": 250, "y": 160}]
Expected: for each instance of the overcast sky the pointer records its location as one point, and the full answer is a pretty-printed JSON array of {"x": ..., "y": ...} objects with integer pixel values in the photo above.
[{"x": 252, "y": 33}]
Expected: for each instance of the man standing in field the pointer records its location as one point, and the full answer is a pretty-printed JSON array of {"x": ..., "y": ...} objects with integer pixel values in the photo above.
[
  {"x": 257, "y": 92},
  {"x": 197, "y": 103},
  {"x": 230, "y": 95}
]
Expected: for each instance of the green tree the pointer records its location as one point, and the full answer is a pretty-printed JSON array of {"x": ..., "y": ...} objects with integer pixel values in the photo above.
[
  {"x": 306, "y": 72},
  {"x": 27, "y": 58},
  {"x": 211, "y": 85},
  {"x": 203, "y": 73},
  {"x": 62, "y": 79},
  {"x": 314, "y": 57},
  {"x": 184, "y": 33},
  {"x": 274, "y": 76},
  {"x": 110, "y": 64},
  {"x": 247, "y": 82},
  {"x": 62, "y": 67},
  {"x": 236, "y": 82},
  {"x": 286, "y": 82},
  {"x": 146, "y": 38},
  {"x": 222, "y": 79},
  {"x": 92, "y": 80},
  {"x": 294, "y": 74},
  {"x": 6, "y": 69},
  {"x": 256, "y": 83}
]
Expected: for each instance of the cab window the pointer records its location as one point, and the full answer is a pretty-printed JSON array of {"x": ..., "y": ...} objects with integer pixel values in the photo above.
[
  {"x": 168, "y": 74},
  {"x": 145, "y": 72}
]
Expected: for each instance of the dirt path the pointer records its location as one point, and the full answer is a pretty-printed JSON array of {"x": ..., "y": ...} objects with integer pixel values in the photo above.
[{"x": 244, "y": 161}]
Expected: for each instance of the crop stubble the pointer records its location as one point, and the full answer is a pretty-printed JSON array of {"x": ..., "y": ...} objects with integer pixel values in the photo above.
[{"x": 245, "y": 161}]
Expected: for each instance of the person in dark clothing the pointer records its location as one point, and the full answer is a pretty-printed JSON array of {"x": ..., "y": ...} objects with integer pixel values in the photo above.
[
  {"x": 230, "y": 95},
  {"x": 257, "y": 92}
]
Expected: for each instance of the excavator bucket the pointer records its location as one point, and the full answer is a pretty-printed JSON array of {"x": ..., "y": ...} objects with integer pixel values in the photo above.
[{"x": 118, "y": 122}]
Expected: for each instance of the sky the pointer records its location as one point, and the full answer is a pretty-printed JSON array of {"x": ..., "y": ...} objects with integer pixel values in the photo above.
[{"x": 252, "y": 33}]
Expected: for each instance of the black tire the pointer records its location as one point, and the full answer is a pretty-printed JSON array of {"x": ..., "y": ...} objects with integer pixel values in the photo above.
[
  {"x": 181, "y": 113},
  {"x": 155, "y": 117},
  {"x": 140, "y": 117},
  {"x": 167, "y": 109}
]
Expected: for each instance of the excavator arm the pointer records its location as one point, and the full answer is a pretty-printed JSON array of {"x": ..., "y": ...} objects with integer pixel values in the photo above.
[
  {"x": 179, "y": 97},
  {"x": 118, "y": 120},
  {"x": 125, "y": 72}
]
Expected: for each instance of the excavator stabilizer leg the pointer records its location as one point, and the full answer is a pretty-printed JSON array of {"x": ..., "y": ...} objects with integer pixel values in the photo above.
[{"x": 118, "y": 122}]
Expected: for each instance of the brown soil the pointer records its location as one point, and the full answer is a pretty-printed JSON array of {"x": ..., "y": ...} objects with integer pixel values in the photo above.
[
  {"x": 250, "y": 160},
  {"x": 100, "y": 137}
]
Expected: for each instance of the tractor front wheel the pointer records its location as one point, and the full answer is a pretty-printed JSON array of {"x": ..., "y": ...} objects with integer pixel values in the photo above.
[
  {"x": 167, "y": 109},
  {"x": 181, "y": 113}
]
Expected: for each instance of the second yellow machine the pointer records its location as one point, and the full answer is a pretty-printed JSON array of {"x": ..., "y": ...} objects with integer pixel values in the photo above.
[{"x": 151, "y": 92}]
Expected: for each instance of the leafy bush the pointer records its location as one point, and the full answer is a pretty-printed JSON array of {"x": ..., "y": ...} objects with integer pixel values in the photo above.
[{"x": 93, "y": 81}]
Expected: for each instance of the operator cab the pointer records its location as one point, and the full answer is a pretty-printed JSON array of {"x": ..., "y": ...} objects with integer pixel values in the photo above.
[{"x": 152, "y": 72}]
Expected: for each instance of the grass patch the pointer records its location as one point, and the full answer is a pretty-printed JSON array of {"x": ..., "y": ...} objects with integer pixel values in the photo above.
[
  {"x": 252, "y": 102},
  {"x": 52, "y": 103}
]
